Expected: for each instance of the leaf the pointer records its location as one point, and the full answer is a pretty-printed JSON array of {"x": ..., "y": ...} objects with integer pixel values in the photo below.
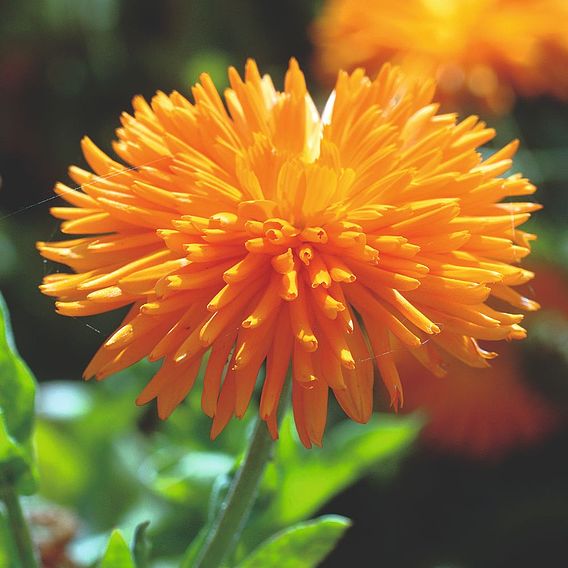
[
  {"x": 15, "y": 465},
  {"x": 218, "y": 494},
  {"x": 64, "y": 464},
  {"x": 191, "y": 554},
  {"x": 17, "y": 384},
  {"x": 141, "y": 545},
  {"x": 190, "y": 477},
  {"x": 310, "y": 478},
  {"x": 117, "y": 554},
  {"x": 17, "y": 389},
  {"x": 303, "y": 545}
]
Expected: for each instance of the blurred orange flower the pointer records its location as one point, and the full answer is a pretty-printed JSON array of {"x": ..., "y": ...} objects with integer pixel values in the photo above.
[
  {"x": 254, "y": 229},
  {"x": 482, "y": 51},
  {"x": 485, "y": 413},
  {"x": 479, "y": 413}
]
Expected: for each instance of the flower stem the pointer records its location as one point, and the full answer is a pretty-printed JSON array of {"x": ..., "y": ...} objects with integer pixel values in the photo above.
[
  {"x": 18, "y": 527},
  {"x": 236, "y": 508}
]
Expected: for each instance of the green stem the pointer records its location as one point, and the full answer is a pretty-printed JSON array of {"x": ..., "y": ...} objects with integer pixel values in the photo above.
[
  {"x": 18, "y": 527},
  {"x": 236, "y": 508}
]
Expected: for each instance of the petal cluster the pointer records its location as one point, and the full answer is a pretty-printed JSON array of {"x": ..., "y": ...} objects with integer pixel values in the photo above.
[
  {"x": 251, "y": 234},
  {"x": 483, "y": 51}
]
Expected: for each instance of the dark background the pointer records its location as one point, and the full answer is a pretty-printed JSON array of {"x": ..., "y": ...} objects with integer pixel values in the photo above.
[{"x": 69, "y": 67}]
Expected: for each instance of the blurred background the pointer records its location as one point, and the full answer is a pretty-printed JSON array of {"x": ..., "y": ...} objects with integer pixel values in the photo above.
[{"x": 493, "y": 495}]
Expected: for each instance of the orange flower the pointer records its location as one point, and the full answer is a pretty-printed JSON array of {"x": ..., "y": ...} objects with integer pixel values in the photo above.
[
  {"x": 479, "y": 413},
  {"x": 485, "y": 50},
  {"x": 485, "y": 414},
  {"x": 255, "y": 230}
]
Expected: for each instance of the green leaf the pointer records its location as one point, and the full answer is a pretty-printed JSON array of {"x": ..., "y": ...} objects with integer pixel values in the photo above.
[
  {"x": 63, "y": 463},
  {"x": 190, "y": 477},
  {"x": 303, "y": 545},
  {"x": 310, "y": 478},
  {"x": 17, "y": 384},
  {"x": 15, "y": 462},
  {"x": 17, "y": 389},
  {"x": 117, "y": 554},
  {"x": 193, "y": 550},
  {"x": 218, "y": 494},
  {"x": 141, "y": 545}
]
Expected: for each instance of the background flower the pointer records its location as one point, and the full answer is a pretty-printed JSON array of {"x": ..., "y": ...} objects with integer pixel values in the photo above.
[
  {"x": 479, "y": 413},
  {"x": 491, "y": 412},
  {"x": 481, "y": 50}
]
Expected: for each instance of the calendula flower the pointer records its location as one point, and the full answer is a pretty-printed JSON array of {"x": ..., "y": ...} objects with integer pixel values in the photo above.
[
  {"x": 253, "y": 233},
  {"x": 482, "y": 51}
]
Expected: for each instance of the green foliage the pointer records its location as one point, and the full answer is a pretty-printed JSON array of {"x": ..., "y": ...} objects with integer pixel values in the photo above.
[
  {"x": 141, "y": 545},
  {"x": 192, "y": 553},
  {"x": 117, "y": 554},
  {"x": 175, "y": 476},
  {"x": 298, "y": 482},
  {"x": 6, "y": 546},
  {"x": 307, "y": 479},
  {"x": 15, "y": 462},
  {"x": 63, "y": 464},
  {"x": 17, "y": 388},
  {"x": 192, "y": 475},
  {"x": 303, "y": 545},
  {"x": 82, "y": 454},
  {"x": 218, "y": 493},
  {"x": 552, "y": 246}
]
